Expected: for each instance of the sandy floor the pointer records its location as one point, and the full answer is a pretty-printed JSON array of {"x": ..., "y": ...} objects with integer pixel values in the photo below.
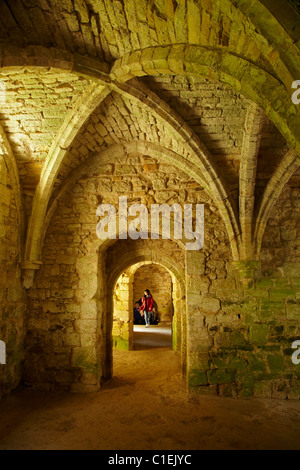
[{"x": 145, "y": 406}]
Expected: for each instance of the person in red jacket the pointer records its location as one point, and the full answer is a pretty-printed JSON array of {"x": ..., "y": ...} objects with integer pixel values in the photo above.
[{"x": 147, "y": 306}]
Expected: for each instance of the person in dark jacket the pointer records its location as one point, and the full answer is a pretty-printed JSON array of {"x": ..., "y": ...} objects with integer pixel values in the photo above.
[
  {"x": 138, "y": 319},
  {"x": 147, "y": 306}
]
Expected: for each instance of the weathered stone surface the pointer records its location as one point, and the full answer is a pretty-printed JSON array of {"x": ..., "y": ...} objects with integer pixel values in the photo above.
[
  {"x": 12, "y": 324},
  {"x": 191, "y": 129},
  {"x": 210, "y": 305},
  {"x": 258, "y": 334}
]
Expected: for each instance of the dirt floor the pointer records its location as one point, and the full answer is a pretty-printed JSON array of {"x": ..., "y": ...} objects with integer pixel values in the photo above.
[{"x": 145, "y": 406}]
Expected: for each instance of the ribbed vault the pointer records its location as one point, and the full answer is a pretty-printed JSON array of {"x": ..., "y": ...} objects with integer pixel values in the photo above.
[{"x": 208, "y": 82}]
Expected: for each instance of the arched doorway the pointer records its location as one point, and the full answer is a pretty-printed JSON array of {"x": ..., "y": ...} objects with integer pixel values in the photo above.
[
  {"x": 98, "y": 271},
  {"x": 120, "y": 301},
  {"x": 159, "y": 281},
  {"x": 128, "y": 289}
]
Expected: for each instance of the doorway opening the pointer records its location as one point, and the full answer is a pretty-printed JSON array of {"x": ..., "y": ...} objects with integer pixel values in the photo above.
[
  {"x": 128, "y": 290},
  {"x": 159, "y": 281},
  {"x": 118, "y": 279}
]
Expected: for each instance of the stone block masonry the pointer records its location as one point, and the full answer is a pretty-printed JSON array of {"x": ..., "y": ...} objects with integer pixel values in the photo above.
[
  {"x": 12, "y": 297},
  {"x": 164, "y": 102},
  {"x": 238, "y": 338}
]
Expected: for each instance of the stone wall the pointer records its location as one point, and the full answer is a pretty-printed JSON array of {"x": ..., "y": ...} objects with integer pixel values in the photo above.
[
  {"x": 65, "y": 328},
  {"x": 31, "y": 133},
  {"x": 159, "y": 282},
  {"x": 76, "y": 105},
  {"x": 12, "y": 326},
  {"x": 122, "y": 329},
  {"x": 245, "y": 346},
  {"x": 241, "y": 317}
]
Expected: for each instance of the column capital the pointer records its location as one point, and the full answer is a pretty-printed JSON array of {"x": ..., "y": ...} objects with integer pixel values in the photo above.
[{"x": 28, "y": 270}]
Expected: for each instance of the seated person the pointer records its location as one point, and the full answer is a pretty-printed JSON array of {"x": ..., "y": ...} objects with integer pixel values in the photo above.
[
  {"x": 138, "y": 319},
  {"x": 154, "y": 317}
]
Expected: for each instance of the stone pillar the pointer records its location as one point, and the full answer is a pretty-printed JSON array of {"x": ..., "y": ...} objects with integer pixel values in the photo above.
[
  {"x": 104, "y": 320},
  {"x": 176, "y": 327},
  {"x": 183, "y": 335},
  {"x": 123, "y": 313},
  {"x": 87, "y": 356},
  {"x": 198, "y": 340}
]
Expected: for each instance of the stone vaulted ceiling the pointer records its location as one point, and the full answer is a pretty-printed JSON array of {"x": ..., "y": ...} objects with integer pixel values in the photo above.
[{"x": 202, "y": 84}]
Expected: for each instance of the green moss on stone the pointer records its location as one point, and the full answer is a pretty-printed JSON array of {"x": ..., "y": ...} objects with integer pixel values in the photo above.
[
  {"x": 257, "y": 364},
  {"x": 231, "y": 340},
  {"x": 246, "y": 347},
  {"x": 120, "y": 343},
  {"x": 293, "y": 310},
  {"x": 258, "y": 333},
  {"x": 219, "y": 376},
  {"x": 270, "y": 347},
  {"x": 196, "y": 377},
  {"x": 276, "y": 362},
  {"x": 271, "y": 308},
  {"x": 236, "y": 363},
  {"x": 83, "y": 361},
  {"x": 219, "y": 362},
  {"x": 283, "y": 293},
  {"x": 245, "y": 378},
  {"x": 264, "y": 283},
  {"x": 228, "y": 390},
  {"x": 246, "y": 392},
  {"x": 262, "y": 389}
]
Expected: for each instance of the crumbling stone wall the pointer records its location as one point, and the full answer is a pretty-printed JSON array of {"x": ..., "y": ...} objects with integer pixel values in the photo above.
[
  {"x": 12, "y": 326},
  {"x": 159, "y": 282}
]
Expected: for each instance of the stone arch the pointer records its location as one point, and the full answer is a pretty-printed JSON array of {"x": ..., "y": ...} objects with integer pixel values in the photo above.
[
  {"x": 161, "y": 22},
  {"x": 73, "y": 122},
  {"x": 211, "y": 179},
  {"x": 141, "y": 148},
  {"x": 139, "y": 261},
  {"x": 11, "y": 165},
  {"x": 130, "y": 265},
  {"x": 223, "y": 66},
  {"x": 289, "y": 164},
  {"x": 136, "y": 147},
  {"x": 271, "y": 21},
  {"x": 94, "y": 292},
  {"x": 210, "y": 60},
  {"x": 215, "y": 63},
  {"x": 129, "y": 269},
  {"x": 12, "y": 57},
  {"x": 165, "y": 307}
]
